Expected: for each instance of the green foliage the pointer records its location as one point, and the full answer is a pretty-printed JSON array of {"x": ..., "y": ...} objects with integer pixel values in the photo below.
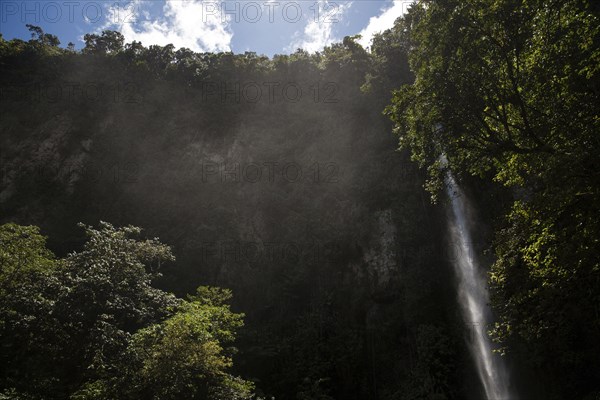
[
  {"x": 23, "y": 256},
  {"x": 508, "y": 91},
  {"x": 26, "y": 266},
  {"x": 95, "y": 327},
  {"x": 389, "y": 54},
  {"x": 38, "y": 35},
  {"x": 181, "y": 357},
  {"x": 308, "y": 330},
  {"x": 431, "y": 377},
  {"x": 109, "y": 42}
]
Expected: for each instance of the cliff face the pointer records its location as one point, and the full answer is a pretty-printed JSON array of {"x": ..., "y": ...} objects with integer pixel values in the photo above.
[
  {"x": 381, "y": 257},
  {"x": 303, "y": 208},
  {"x": 193, "y": 171}
]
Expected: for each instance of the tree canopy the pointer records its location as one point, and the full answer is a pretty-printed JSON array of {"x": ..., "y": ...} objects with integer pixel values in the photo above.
[
  {"x": 508, "y": 92},
  {"x": 362, "y": 306},
  {"x": 91, "y": 326}
]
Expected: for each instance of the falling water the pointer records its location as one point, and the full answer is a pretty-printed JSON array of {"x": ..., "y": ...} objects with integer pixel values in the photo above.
[{"x": 473, "y": 296}]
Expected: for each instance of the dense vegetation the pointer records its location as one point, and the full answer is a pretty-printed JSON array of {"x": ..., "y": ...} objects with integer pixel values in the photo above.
[
  {"x": 332, "y": 311},
  {"x": 90, "y": 325},
  {"x": 511, "y": 94},
  {"x": 279, "y": 180}
]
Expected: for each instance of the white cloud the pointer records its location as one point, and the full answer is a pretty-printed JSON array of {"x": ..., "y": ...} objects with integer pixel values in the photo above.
[
  {"x": 383, "y": 21},
  {"x": 184, "y": 23},
  {"x": 318, "y": 32}
]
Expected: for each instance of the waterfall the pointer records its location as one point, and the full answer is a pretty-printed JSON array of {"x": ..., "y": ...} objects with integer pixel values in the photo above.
[{"x": 473, "y": 296}]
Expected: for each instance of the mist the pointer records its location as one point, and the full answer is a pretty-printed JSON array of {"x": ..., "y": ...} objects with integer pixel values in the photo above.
[{"x": 179, "y": 224}]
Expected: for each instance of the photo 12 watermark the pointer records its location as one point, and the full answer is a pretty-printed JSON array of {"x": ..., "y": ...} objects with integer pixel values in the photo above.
[
  {"x": 117, "y": 12},
  {"x": 268, "y": 172},
  {"x": 72, "y": 92},
  {"x": 255, "y": 252},
  {"x": 268, "y": 92},
  {"x": 90, "y": 172}
]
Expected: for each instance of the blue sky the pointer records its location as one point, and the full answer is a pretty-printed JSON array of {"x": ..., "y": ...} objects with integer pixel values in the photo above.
[{"x": 264, "y": 26}]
